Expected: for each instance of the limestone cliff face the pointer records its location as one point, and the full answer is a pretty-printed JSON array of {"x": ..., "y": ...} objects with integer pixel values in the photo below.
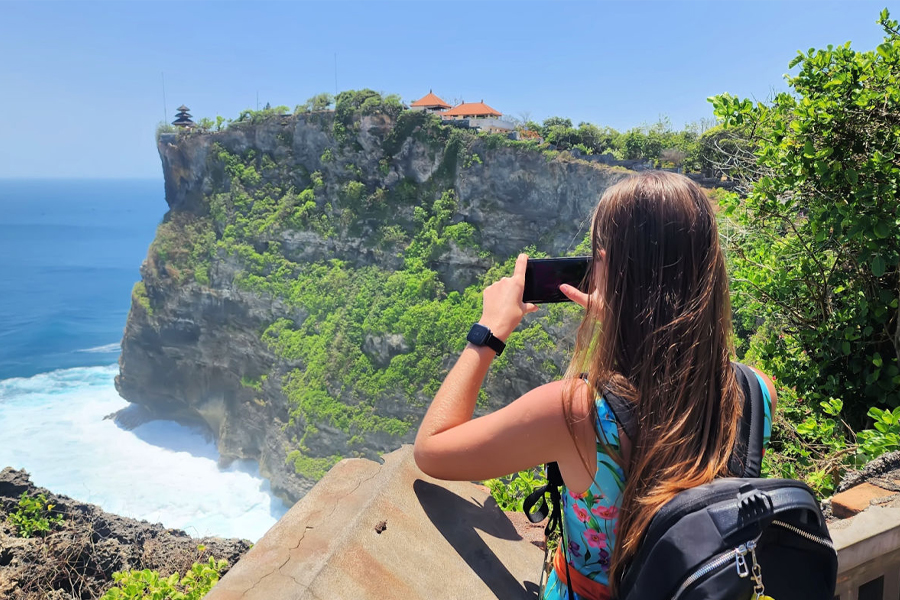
[{"x": 259, "y": 203}]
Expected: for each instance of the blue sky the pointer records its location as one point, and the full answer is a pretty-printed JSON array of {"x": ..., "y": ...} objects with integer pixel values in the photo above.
[{"x": 81, "y": 82}]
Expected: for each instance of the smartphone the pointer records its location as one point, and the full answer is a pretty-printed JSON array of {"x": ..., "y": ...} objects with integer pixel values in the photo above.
[{"x": 543, "y": 276}]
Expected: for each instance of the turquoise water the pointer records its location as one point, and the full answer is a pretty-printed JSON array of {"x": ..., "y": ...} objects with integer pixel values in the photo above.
[{"x": 70, "y": 252}]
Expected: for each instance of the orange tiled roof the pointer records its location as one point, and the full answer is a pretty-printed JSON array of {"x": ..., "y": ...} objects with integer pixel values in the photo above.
[
  {"x": 472, "y": 109},
  {"x": 429, "y": 101}
]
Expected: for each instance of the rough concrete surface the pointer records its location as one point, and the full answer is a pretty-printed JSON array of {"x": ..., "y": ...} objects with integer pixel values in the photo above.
[
  {"x": 379, "y": 531},
  {"x": 870, "y": 534}
]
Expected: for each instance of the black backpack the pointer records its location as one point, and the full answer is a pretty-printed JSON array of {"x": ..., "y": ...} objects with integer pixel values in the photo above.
[{"x": 725, "y": 540}]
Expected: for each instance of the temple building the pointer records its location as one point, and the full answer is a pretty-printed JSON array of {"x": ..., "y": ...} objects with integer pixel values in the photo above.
[
  {"x": 183, "y": 118},
  {"x": 471, "y": 115},
  {"x": 471, "y": 110},
  {"x": 429, "y": 103},
  {"x": 479, "y": 115}
]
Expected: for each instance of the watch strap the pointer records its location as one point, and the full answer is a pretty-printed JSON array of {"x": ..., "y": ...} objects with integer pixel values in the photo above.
[{"x": 495, "y": 344}]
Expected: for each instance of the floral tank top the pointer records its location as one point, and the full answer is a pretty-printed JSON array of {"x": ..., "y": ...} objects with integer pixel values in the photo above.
[{"x": 590, "y": 519}]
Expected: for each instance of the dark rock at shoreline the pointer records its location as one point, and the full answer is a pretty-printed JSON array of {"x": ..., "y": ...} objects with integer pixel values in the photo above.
[{"x": 77, "y": 558}]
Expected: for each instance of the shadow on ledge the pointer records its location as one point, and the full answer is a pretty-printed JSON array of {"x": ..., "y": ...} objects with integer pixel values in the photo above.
[
  {"x": 371, "y": 531},
  {"x": 458, "y": 519}
]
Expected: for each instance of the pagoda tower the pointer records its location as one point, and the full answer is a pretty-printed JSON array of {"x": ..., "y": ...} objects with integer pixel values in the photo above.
[{"x": 184, "y": 119}]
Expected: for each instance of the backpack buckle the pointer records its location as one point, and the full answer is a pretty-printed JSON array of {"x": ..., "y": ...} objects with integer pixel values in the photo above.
[{"x": 753, "y": 504}]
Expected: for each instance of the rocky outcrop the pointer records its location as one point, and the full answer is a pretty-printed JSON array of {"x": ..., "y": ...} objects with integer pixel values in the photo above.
[
  {"x": 79, "y": 556},
  {"x": 193, "y": 348}
]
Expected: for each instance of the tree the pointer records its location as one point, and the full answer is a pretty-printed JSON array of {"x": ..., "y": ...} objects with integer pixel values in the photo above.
[
  {"x": 599, "y": 140},
  {"x": 815, "y": 245},
  {"x": 316, "y": 103},
  {"x": 633, "y": 142},
  {"x": 557, "y": 122}
]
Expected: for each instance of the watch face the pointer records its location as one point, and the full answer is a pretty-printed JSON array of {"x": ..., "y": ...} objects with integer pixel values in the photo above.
[{"x": 478, "y": 335}]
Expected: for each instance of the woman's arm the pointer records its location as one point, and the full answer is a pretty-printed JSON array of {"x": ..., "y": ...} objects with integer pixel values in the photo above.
[{"x": 528, "y": 432}]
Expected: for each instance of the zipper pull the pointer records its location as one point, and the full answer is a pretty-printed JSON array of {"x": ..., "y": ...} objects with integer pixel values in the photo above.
[
  {"x": 740, "y": 562},
  {"x": 759, "y": 589}
]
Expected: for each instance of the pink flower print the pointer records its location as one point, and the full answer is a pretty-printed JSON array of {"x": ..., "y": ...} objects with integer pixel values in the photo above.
[
  {"x": 577, "y": 496},
  {"x": 581, "y": 513},
  {"x": 598, "y": 498},
  {"x": 595, "y": 539},
  {"x": 606, "y": 512}
]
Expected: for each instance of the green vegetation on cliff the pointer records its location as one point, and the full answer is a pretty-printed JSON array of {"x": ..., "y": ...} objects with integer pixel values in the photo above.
[{"x": 365, "y": 341}]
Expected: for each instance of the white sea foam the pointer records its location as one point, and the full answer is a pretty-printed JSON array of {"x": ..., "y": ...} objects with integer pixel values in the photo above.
[
  {"x": 105, "y": 349},
  {"x": 52, "y": 425}
]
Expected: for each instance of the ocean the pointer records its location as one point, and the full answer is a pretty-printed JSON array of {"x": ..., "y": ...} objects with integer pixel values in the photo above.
[{"x": 70, "y": 252}]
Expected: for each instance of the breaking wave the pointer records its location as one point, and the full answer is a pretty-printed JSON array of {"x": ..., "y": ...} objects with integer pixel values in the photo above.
[{"x": 53, "y": 426}]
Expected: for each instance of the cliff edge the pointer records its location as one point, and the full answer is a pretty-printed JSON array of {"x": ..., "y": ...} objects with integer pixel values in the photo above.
[{"x": 316, "y": 274}]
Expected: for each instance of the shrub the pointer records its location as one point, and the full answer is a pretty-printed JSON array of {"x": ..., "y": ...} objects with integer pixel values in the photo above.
[
  {"x": 147, "y": 584},
  {"x": 816, "y": 243},
  {"x": 814, "y": 249},
  {"x": 511, "y": 491},
  {"x": 316, "y": 103},
  {"x": 139, "y": 295},
  {"x": 34, "y": 517},
  {"x": 164, "y": 127}
]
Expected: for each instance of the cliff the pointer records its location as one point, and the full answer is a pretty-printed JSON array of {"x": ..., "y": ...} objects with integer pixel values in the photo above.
[{"x": 316, "y": 274}]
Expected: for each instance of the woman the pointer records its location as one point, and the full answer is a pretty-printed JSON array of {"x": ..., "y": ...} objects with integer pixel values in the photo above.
[{"x": 657, "y": 332}]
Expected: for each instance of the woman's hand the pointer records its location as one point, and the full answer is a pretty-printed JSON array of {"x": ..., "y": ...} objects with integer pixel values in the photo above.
[
  {"x": 503, "y": 308},
  {"x": 581, "y": 298},
  {"x": 575, "y": 295}
]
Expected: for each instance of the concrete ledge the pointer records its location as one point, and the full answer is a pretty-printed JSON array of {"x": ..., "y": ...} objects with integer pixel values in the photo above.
[
  {"x": 376, "y": 531},
  {"x": 870, "y": 534}
]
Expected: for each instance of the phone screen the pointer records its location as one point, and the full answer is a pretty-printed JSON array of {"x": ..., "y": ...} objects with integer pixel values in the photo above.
[{"x": 543, "y": 276}]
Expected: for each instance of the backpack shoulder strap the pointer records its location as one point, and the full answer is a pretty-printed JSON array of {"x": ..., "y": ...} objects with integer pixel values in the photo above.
[
  {"x": 746, "y": 459},
  {"x": 535, "y": 505},
  {"x": 623, "y": 411}
]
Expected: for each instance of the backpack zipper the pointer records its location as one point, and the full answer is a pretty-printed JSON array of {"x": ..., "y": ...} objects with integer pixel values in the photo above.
[
  {"x": 809, "y": 536},
  {"x": 736, "y": 555}
]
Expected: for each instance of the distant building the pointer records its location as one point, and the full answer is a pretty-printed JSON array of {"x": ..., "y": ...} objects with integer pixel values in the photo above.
[
  {"x": 471, "y": 110},
  {"x": 429, "y": 103},
  {"x": 479, "y": 116},
  {"x": 183, "y": 118}
]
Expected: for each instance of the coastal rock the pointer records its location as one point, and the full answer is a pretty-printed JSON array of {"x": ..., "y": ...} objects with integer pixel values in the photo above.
[{"x": 78, "y": 557}]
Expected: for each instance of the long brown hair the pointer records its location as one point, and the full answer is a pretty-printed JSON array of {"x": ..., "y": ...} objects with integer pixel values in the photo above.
[{"x": 659, "y": 335}]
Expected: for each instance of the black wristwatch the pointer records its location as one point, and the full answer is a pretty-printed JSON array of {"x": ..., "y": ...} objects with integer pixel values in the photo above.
[{"x": 482, "y": 336}]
